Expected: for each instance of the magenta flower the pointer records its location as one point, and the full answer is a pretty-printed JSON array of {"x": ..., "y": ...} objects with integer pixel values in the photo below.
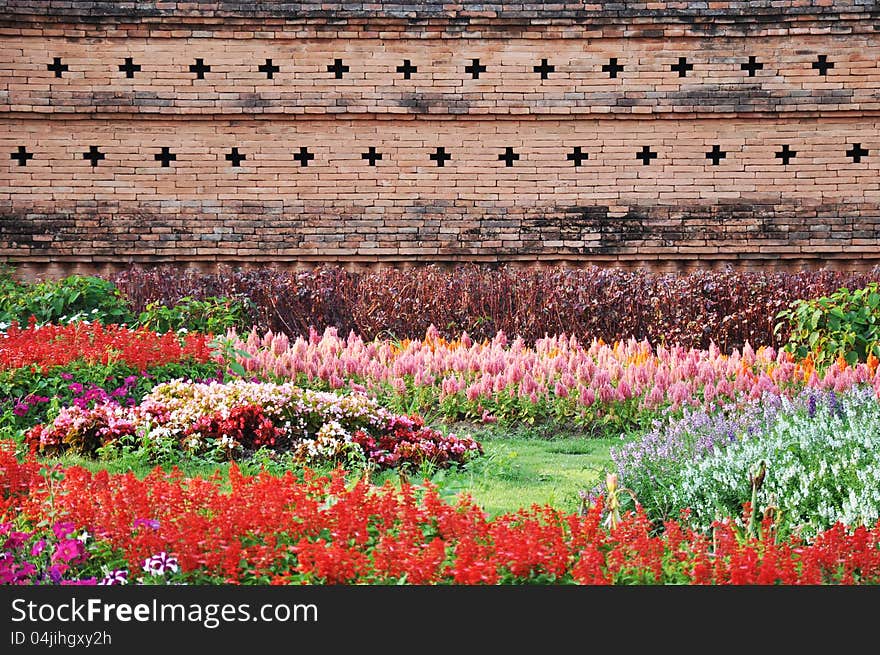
[
  {"x": 69, "y": 550},
  {"x": 25, "y": 571},
  {"x": 63, "y": 528},
  {"x": 16, "y": 540},
  {"x": 83, "y": 582}
]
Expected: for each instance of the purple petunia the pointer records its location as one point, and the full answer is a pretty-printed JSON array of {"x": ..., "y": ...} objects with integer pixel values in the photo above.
[
  {"x": 160, "y": 564},
  {"x": 115, "y": 577},
  {"x": 57, "y": 571}
]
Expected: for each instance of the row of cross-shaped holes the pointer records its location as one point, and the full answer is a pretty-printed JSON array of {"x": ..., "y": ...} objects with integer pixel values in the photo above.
[
  {"x": 338, "y": 68},
  {"x": 440, "y": 156}
]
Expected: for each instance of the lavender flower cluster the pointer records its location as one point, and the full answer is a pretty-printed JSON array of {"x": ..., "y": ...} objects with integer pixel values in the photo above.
[{"x": 703, "y": 460}]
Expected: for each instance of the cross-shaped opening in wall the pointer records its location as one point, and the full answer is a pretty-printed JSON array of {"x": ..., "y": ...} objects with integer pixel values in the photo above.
[
  {"x": 269, "y": 69},
  {"x": 716, "y": 154},
  {"x": 612, "y": 67},
  {"x": 166, "y": 156},
  {"x": 475, "y": 69},
  {"x": 577, "y": 156},
  {"x": 199, "y": 68},
  {"x": 407, "y": 69},
  {"x": 822, "y": 64},
  {"x": 682, "y": 67},
  {"x": 545, "y": 69},
  {"x": 752, "y": 66},
  {"x": 22, "y": 156},
  {"x": 129, "y": 67},
  {"x": 93, "y": 155},
  {"x": 371, "y": 156},
  {"x": 646, "y": 155},
  {"x": 786, "y": 154},
  {"x": 303, "y": 156},
  {"x": 508, "y": 157},
  {"x": 857, "y": 152},
  {"x": 337, "y": 68},
  {"x": 235, "y": 157},
  {"x": 440, "y": 156},
  {"x": 57, "y": 67}
]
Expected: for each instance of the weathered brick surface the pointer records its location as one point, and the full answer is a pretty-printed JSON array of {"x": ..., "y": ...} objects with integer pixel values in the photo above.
[
  {"x": 816, "y": 93},
  {"x": 649, "y": 82},
  {"x": 544, "y": 10}
]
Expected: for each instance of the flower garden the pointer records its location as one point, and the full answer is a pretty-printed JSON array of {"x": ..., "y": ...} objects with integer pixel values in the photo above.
[{"x": 201, "y": 439}]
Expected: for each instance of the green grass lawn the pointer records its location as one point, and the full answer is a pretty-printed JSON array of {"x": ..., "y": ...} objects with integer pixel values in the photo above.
[
  {"x": 518, "y": 472},
  {"x": 518, "y": 469}
]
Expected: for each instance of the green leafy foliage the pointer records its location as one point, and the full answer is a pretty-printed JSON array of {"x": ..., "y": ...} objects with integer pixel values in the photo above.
[
  {"x": 845, "y": 324},
  {"x": 212, "y": 315},
  {"x": 224, "y": 350},
  {"x": 74, "y": 298}
]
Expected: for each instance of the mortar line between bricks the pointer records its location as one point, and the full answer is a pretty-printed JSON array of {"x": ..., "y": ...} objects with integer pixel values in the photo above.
[{"x": 431, "y": 117}]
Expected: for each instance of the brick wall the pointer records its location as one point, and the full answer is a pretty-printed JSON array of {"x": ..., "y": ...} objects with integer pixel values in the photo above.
[{"x": 666, "y": 135}]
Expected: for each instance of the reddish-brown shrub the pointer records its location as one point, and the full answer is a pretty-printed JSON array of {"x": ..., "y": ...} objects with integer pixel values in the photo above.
[{"x": 693, "y": 309}]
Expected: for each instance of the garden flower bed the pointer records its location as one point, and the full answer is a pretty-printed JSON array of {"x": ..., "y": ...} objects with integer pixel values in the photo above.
[
  {"x": 117, "y": 529},
  {"x": 44, "y": 368},
  {"x": 810, "y": 460},
  {"x": 46, "y": 346},
  {"x": 225, "y": 420},
  {"x": 746, "y": 466},
  {"x": 625, "y": 384}
]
